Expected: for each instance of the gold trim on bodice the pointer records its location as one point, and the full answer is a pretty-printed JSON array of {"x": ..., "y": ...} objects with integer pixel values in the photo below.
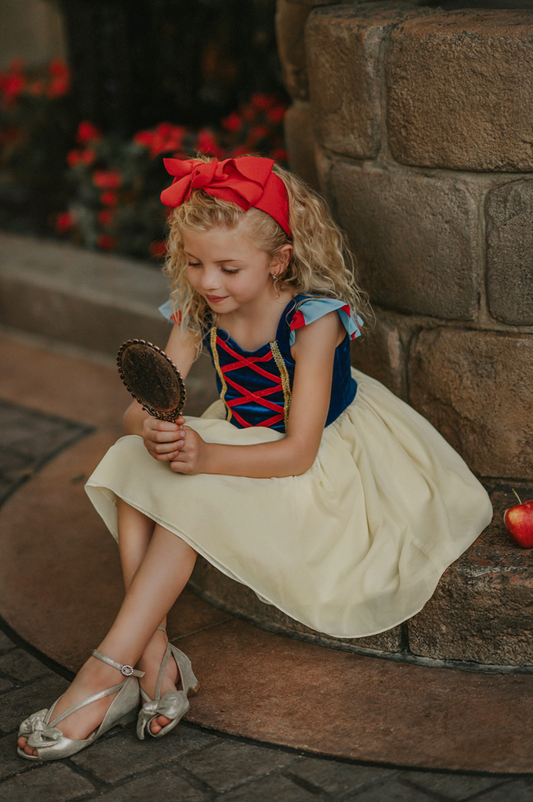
[
  {"x": 285, "y": 381},
  {"x": 214, "y": 351}
]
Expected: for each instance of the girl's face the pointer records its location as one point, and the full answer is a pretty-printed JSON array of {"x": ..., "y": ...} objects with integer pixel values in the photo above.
[{"x": 227, "y": 269}]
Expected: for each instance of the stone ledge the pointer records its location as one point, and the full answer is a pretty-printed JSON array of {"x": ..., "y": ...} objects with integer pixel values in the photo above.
[
  {"x": 86, "y": 299},
  {"x": 478, "y": 619}
]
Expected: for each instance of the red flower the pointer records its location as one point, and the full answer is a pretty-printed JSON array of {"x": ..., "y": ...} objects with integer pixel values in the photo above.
[
  {"x": 240, "y": 150},
  {"x": 73, "y": 158},
  {"x": 106, "y": 242},
  {"x": 58, "y": 87},
  {"x": 144, "y": 138},
  {"x": 64, "y": 222},
  {"x": 233, "y": 122},
  {"x": 87, "y": 156},
  {"x": 279, "y": 155},
  {"x": 12, "y": 87},
  {"x": 108, "y": 198},
  {"x": 36, "y": 88},
  {"x": 107, "y": 179},
  {"x": 164, "y": 129},
  {"x": 276, "y": 114},
  {"x": 207, "y": 144},
  {"x": 165, "y": 138},
  {"x": 262, "y": 101},
  {"x": 105, "y": 216},
  {"x": 87, "y": 132},
  {"x": 59, "y": 68},
  {"x": 260, "y": 131},
  {"x": 158, "y": 249}
]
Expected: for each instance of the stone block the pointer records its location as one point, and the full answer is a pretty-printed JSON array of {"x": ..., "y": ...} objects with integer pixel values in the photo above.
[
  {"x": 10, "y": 762},
  {"x": 380, "y": 353},
  {"x": 290, "y": 25},
  {"x": 475, "y": 388},
  {"x": 239, "y": 600},
  {"x": 114, "y": 758},
  {"x": 414, "y": 237},
  {"x": 460, "y": 90},
  {"x": 508, "y": 214},
  {"x": 21, "y": 703},
  {"x": 268, "y": 789},
  {"x": 229, "y": 764},
  {"x": 21, "y": 666},
  {"x": 336, "y": 779},
  {"x": 161, "y": 784},
  {"x": 301, "y": 143},
  {"x": 517, "y": 790},
  {"x": 5, "y": 642},
  {"x": 481, "y": 610},
  {"x": 344, "y": 47},
  {"x": 392, "y": 790},
  {"x": 49, "y": 783},
  {"x": 455, "y": 787}
]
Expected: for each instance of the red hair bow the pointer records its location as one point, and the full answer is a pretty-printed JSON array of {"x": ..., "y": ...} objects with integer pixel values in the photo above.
[{"x": 247, "y": 181}]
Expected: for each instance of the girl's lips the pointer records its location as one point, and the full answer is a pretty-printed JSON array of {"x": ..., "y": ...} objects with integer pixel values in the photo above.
[{"x": 214, "y": 299}]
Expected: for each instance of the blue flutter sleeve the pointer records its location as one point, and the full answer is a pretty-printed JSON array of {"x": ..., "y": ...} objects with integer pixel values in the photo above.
[{"x": 311, "y": 309}]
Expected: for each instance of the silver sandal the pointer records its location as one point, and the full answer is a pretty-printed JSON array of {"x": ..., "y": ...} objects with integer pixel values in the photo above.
[
  {"x": 50, "y": 742},
  {"x": 173, "y": 704}
]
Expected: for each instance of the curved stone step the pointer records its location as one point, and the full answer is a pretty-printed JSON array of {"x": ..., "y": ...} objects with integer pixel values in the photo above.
[{"x": 479, "y": 617}]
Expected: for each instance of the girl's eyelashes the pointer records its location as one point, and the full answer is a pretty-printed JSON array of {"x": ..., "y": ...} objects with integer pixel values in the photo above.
[
  {"x": 194, "y": 264},
  {"x": 227, "y": 270}
]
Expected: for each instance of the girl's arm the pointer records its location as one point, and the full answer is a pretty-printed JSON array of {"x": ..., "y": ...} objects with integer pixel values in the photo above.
[
  {"x": 161, "y": 438},
  {"x": 314, "y": 353}
]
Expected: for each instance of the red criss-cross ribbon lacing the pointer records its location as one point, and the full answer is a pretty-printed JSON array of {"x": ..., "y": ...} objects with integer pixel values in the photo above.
[{"x": 247, "y": 396}]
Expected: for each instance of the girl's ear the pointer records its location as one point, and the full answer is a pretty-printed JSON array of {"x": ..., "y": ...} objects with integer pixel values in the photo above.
[{"x": 280, "y": 260}]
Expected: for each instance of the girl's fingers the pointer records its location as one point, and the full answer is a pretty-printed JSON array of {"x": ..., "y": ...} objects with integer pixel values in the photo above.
[{"x": 168, "y": 448}]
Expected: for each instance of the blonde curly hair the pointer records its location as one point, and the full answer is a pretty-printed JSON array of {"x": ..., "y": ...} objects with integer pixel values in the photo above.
[{"x": 320, "y": 264}]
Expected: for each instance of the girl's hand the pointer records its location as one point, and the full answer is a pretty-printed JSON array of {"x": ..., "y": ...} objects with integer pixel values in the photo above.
[
  {"x": 193, "y": 454},
  {"x": 162, "y": 439}
]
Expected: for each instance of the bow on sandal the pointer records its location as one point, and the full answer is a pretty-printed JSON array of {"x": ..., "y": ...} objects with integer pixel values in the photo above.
[
  {"x": 173, "y": 704},
  {"x": 52, "y": 744}
]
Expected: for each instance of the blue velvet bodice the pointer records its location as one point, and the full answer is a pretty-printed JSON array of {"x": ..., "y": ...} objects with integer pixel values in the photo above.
[{"x": 256, "y": 385}]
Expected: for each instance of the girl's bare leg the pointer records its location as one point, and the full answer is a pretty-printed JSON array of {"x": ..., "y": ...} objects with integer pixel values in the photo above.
[
  {"x": 158, "y": 581},
  {"x": 134, "y": 533}
]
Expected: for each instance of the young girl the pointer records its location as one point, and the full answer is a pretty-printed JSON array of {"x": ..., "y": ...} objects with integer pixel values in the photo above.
[{"x": 307, "y": 481}]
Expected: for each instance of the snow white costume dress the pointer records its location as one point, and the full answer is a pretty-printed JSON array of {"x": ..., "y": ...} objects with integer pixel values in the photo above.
[{"x": 353, "y": 546}]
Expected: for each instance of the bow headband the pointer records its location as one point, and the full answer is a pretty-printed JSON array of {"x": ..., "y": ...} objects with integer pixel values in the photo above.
[{"x": 247, "y": 181}]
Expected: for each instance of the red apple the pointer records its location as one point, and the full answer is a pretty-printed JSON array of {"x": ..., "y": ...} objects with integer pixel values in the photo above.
[{"x": 518, "y": 521}]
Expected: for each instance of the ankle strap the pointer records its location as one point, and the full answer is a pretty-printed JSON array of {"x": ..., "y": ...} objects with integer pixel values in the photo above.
[{"x": 127, "y": 671}]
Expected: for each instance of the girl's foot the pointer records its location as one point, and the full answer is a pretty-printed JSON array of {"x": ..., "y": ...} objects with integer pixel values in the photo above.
[
  {"x": 94, "y": 676},
  {"x": 150, "y": 663}
]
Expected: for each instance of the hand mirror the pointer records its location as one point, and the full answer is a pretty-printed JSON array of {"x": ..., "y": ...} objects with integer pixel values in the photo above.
[{"x": 152, "y": 379}]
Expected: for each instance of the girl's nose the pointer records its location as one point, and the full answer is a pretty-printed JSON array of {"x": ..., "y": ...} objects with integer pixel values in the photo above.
[{"x": 210, "y": 279}]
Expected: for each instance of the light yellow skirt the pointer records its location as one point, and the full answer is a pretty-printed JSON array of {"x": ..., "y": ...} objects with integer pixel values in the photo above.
[{"x": 350, "y": 548}]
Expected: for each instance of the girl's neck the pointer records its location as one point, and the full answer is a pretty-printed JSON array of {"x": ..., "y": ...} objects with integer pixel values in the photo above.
[{"x": 253, "y": 328}]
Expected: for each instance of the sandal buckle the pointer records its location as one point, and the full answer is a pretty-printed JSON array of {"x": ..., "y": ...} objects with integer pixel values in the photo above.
[{"x": 127, "y": 671}]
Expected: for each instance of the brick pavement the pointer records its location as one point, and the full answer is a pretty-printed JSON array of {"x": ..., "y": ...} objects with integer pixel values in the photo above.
[{"x": 190, "y": 764}]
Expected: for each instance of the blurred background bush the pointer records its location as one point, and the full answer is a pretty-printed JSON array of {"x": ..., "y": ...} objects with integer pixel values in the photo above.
[{"x": 83, "y": 135}]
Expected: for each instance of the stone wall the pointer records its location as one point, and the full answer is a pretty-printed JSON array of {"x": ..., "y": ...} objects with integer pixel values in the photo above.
[{"x": 415, "y": 124}]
